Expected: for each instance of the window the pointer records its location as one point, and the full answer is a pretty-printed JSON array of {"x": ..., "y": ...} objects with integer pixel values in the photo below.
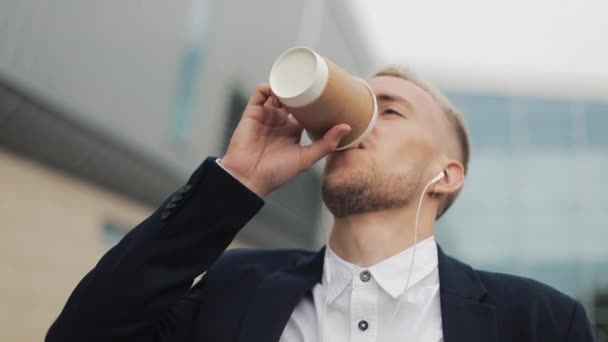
[
  {"x": 112, "y": 232},
  {"x": 597, "y": 124},
  {"x": 487, "y": 118},
  {"x": 549, "y": 123},
  {"x": 237, "y": 105}
]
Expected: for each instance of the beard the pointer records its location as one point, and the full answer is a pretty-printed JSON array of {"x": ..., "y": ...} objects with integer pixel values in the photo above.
[{"x": 362, "y": 191}]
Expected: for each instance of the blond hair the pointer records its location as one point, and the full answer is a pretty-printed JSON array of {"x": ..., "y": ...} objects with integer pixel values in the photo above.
[{"x": 454, "y": 117}]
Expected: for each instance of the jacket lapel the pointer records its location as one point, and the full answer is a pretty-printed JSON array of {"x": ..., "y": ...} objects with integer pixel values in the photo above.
[
  {"x": 277, "y": 296},
  {"x": 464, "y": 313}
]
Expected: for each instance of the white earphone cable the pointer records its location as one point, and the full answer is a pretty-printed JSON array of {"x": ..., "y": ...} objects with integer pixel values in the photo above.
[
  {"x": 323, "y": 318},
  {"x": 409, "y": 273}
]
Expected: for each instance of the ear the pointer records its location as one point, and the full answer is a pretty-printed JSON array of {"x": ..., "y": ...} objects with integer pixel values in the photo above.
[{"x": 452, "y": 181}]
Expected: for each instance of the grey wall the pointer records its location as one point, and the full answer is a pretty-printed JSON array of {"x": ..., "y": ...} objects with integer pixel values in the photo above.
[
  {"x": 117, "y": 69},
  {"x": 115, "y": 65}
]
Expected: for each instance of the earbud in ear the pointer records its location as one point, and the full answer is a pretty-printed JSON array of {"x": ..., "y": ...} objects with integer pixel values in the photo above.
[{"x": 438, "y": 177}]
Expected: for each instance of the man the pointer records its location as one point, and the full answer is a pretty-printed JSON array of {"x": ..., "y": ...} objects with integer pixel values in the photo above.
[{"x": 375, "y": 281}]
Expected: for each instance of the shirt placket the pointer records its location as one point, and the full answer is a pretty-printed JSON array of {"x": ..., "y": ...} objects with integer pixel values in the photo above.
[{"x": 364, "y": 314}]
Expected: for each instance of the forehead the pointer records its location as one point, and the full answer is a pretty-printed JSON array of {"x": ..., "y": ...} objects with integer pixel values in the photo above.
[{"x": 419, "y": 98}]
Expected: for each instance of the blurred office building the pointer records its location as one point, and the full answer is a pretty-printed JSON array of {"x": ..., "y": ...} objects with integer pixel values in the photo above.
[
  {"x": 106, "y": 108},
  {"x": 536, "y": 200}
]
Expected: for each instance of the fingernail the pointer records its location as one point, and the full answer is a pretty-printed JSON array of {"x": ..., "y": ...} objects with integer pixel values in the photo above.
[{"x": 343, "y": 133}]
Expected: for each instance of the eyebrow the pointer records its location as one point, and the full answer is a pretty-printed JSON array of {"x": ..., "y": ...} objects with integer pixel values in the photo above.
[{"x": 393, "y": 98}]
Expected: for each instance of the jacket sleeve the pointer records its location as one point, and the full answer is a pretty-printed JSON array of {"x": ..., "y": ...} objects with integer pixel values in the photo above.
[
  {"x": 579, "y": 328},
  {"x": 140, "y": 290}
]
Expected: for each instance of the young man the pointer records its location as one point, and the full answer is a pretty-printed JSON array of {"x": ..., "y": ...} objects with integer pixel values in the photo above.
[{"x": 375, "y": 281}]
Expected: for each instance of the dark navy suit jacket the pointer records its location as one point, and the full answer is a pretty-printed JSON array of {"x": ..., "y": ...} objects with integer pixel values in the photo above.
[{"x": 141, "y": 290}]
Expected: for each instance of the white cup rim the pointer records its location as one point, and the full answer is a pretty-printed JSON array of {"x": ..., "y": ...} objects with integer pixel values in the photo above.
[{"x": 313, "y": 90}]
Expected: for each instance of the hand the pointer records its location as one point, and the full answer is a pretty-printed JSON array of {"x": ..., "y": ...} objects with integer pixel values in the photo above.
[{"x": 265, "y": 152}]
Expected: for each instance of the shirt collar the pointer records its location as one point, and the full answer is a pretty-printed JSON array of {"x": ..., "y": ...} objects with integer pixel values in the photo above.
[{"x": 390, "y": 274}]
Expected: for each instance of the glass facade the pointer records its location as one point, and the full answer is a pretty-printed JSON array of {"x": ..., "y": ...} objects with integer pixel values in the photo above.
[{"x": 536, "y": 199}]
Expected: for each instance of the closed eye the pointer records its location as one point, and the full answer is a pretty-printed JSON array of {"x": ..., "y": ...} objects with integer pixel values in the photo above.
[{"x": 392, "y": 111}]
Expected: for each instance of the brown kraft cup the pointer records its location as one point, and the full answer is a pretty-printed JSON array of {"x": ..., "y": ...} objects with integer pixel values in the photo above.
[{"x": 320, "y": 95}]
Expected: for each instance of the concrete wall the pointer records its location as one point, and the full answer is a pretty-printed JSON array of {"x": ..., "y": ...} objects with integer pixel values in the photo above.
[
  {"x": 52, "y": 234},
  {"x": 125, "y": 71}
]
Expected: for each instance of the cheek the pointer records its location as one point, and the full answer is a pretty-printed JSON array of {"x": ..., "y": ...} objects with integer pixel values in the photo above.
[{"x": 402, "y": 145}]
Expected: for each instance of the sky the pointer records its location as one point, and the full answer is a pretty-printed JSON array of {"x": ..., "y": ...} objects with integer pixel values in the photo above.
[{"x": 520, "y": 47}]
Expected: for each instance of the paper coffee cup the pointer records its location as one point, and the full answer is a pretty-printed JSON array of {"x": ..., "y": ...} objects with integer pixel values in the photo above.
[{"x": 320, "y": 95}]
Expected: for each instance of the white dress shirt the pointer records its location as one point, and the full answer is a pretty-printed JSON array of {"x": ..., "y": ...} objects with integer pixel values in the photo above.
[{"x": 362, "y": 301}]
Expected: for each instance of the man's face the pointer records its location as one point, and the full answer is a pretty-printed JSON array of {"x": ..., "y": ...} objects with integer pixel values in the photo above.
[{"x": 388, "y": 169}]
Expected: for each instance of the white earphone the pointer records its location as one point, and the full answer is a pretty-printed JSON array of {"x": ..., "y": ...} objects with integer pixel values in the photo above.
[{"x": 437, "y": 178}]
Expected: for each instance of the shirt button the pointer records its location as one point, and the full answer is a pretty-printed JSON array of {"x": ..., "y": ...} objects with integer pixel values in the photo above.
[
  {"x": 365, "y": 276},
  {"x": 363, "y": 325}
]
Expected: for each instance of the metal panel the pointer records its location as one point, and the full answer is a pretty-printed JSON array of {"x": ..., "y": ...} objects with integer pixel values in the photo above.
[{"x": 34, "y": 129}]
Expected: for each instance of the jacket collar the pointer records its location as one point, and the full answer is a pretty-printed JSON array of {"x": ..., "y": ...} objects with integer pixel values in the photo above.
[
  {"x": 459, "y": 279},
  {"x": 465, "y": 314}
]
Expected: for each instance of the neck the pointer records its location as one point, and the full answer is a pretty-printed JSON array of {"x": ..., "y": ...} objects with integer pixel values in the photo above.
[{"x": 367, "y": 239}]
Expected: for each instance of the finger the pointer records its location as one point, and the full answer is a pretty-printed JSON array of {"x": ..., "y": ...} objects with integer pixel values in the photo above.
[
  {"x": 293, "y": 119},
  {"x": 273, "y": 104},
  {"x": 319, "y": 149},
  {"x": 268, "y": 104},
  {"x": 260, "y": 95},
  {"x": 275, "y": 116},
  {"x": 294, "y": 125},
  {"x": 276, "y": 101},
  {"x": 283, "y": 111}
]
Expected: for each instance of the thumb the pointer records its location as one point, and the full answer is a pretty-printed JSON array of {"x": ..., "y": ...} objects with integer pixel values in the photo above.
[{"x": 320, "y": 148}]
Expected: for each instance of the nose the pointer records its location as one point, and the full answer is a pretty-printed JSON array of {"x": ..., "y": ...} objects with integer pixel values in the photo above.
[{"x": 366, "y": 142}]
